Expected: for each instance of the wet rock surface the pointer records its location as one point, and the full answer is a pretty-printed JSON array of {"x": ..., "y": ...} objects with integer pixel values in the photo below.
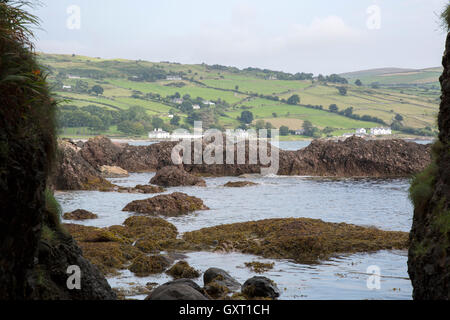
[
  {"x": 220, "y": 277},
  {"x": 79, "y": 214},
  {"x": 260, "y": 287},
  {"x": 174, "y": 204},
  {"x": 182, "y": 270},
  {"x": 239, "y": 184},
  {"x": 172, "y": 176}
]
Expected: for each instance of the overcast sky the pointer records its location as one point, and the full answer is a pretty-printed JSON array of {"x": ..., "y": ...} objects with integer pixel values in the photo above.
[{"x": 318, "y": 36}]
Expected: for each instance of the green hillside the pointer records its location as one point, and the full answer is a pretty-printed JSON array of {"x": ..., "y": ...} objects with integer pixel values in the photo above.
[{"x": 126, "y": 84}]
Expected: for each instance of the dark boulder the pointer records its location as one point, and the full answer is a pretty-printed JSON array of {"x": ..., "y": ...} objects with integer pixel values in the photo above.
[
  {"x": 221, "y": 278},
  {"x": 260, "y": 287},
  {"x": 181, "y": 289}
]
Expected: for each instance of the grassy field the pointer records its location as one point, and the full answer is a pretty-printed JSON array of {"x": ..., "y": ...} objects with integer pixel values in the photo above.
[{"x": 413, "y": 94}]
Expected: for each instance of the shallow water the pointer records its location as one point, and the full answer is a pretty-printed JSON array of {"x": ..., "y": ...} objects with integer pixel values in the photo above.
[{"x": 369, "y": 202}]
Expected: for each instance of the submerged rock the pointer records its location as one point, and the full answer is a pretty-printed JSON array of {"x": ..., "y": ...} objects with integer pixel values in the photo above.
[
  {"x": 79, "y": 214},
  {"x": 239, "y": 184},
  {"x": 182, "y": 270},
  {"x": 172, "y": 176},
  {"x": 260, "y": 287},
  {"x": 174, "y": 204},
  {"x": 304, "y": 240},
  {"x": 259, "y": 267}
]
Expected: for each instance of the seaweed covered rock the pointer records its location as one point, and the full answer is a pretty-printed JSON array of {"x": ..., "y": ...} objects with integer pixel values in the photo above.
[
  {"x": 429, "y": 253},
  {"x": 239, "y": 184},
  {"x": 301, "y": 239},
  {"x": 79, "y": 214},
  {"x": 101, "y": 152},
  {"x": 260, "y": 287},
  {"x": 172, "y": 176},
  {"x": 144, "y": 265},
  {"x": 181, "y": 270},
  {"x": 174, "y": 204},
  {"x": 220, "y": 277}
]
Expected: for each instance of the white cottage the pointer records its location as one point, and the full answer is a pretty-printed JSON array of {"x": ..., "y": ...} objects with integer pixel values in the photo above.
[
  {"x": 380, "y": 131},
  {"x": 159, "y": 134}
]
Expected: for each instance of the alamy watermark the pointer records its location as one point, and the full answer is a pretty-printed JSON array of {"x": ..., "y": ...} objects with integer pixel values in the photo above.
[
  {"x": 373, "y": 21},
  {"x": 74, "y": 279},
  {"x": 73, "y": 21},
  {"x": 374, "y": 280},
  {"x": 232, "y": 147}
]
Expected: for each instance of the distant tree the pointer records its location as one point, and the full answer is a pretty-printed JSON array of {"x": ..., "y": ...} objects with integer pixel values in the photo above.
[
  {"x": 157, "y": 122},
  {"x": 177, "y": 95},
  {"x": 274, "y": 114},
  {"x": 399, "y": 117},
  {"x": 260, "y": 124},
  {"x": 98, "y": 90},
  {"x": 333, "y": 108},
  {"x": 375, "y": 85},
  {"x": 342, "y": 91},
  {"x": 246, "y": 117},
  {"x": 358, "y": 82},
  {"x": 186, "y": 107},
  {"x": 328, "y": 130},
  {"x": 348, "y": 112},
  {"x": 284, "y": 131},
  {"x": 236, "y": 88},
  {"x": 294, "y": 99},
  {"x": 307, "y": 127},
  {"x": 187, "y": 97},
  {"x": 81, "y": 86},
  {"x": 268, "y": 125},
  {"x": 175, "y": 121}
]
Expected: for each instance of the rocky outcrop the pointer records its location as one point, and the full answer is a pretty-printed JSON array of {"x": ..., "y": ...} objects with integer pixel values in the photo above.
[
  {"x": 429, "y": 253},
  {"x": 174, "y": 204},
  {"x": 356, "y": 157},
  {"x": 220, "y": 277},
  {"x": 260, "y": 287},
  {"x": 172, "y": 176},
  {"x": 79, "y": 214},
  {"x": 73, "y": 172},
  {"x": 35, "y": 252}
]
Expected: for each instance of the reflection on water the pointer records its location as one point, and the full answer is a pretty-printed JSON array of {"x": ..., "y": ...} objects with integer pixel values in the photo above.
[{"x": 370, "y": 202}]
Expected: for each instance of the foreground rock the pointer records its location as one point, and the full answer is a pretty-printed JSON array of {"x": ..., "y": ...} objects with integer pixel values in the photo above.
[
  {"x": 260, "y": 287},
  {"x": 303, "y": 240},
  {"x": 428, "y": 256},
  {"x": 113, "y": 172},
  {"x": 239, "y": 184},
  {"x": 174, "y": 204},
  {"x": 79, "y": 214},
  {"x": 218, "y": 283},
  {"x": 172, "y": 176},
  {"x": 182, "y": 289}
]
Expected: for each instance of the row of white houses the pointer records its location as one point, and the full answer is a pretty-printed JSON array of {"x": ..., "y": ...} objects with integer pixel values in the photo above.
[{"x": 378, "y": 131}]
